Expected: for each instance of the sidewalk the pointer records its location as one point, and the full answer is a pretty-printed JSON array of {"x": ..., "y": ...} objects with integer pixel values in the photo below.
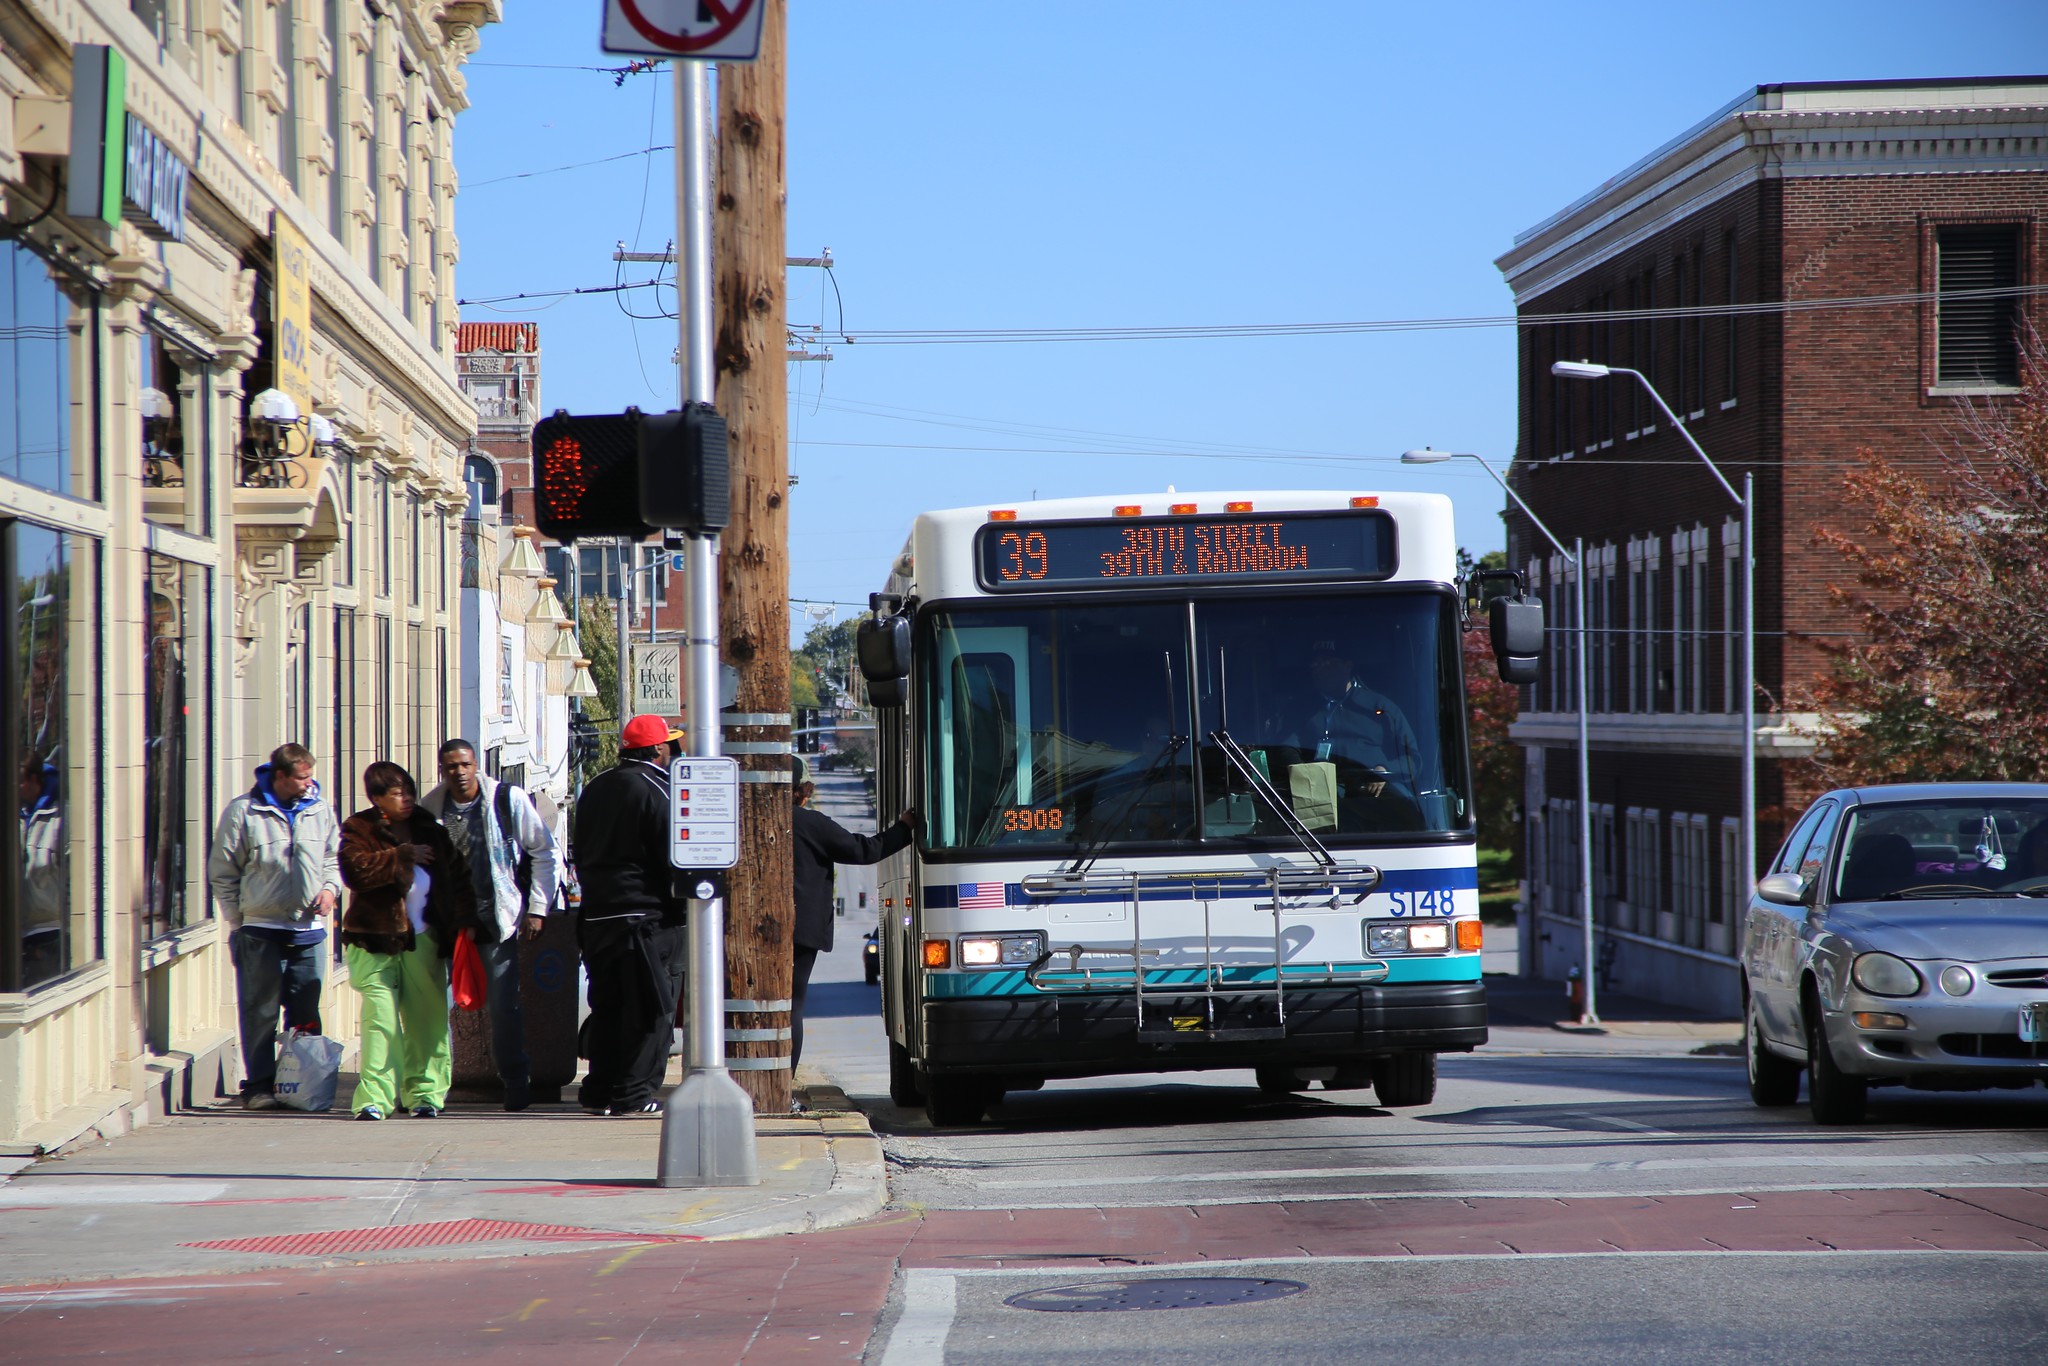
[
  {"x": 224, "y": 1190},
  {"x": 1533, "y": 1015}
]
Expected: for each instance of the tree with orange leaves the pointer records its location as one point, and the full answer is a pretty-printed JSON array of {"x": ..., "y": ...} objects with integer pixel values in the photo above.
[{"x": 1951, "y": 681}]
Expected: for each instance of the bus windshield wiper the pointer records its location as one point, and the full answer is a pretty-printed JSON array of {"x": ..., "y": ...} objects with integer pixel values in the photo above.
[
  {"x": 1263, "y": 789},
  {"x": 1160, "y": 766}
]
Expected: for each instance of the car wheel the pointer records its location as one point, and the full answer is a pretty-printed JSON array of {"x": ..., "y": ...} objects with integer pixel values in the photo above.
[
  {"x": 954, "y": 1102},
  {"x": 1833, "y": 1095},
  {"x": 1405, "y": 1079},
  {"x": 1773, "y": 1081},
  {"x": 1278, "y": 1081},
  {"x": 903, "y": 1087}
]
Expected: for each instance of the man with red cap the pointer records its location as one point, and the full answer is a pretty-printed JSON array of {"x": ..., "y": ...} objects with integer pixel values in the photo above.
[{"x": 631, "y": 925}]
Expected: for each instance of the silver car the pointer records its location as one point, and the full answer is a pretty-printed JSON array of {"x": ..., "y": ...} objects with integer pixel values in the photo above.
[{"x": 1900, "y": 938}]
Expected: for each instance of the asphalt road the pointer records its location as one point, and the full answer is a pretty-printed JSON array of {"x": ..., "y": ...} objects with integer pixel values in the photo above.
[{"x": 1566, "y": 1197}]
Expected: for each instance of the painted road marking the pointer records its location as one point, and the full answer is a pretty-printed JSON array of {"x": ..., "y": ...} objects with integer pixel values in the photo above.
[
  {"x": 1650, "y": 1164},
  {"x": 919, "y": 1337},
  {"x": 55, "y": 1192},
  {"x": 1547, "y": 1193}
]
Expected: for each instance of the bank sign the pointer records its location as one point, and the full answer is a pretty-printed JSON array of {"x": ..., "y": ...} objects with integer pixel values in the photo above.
[{"x": 119, "y": 168}]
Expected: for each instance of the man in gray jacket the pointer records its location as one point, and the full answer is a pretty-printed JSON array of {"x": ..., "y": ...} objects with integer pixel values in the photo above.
[
  {"x": 511, "y": 851},
  {"x": 276, "y": 876}
]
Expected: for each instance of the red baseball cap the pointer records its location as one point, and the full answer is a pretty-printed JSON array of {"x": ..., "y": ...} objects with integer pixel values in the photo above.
[{"x": 645, "y": 730}]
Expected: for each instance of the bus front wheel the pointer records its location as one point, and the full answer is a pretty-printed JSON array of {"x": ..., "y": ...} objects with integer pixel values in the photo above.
[
  {"x": 903, "y": 1087},
  {"x": 1405, "y": 1079}
]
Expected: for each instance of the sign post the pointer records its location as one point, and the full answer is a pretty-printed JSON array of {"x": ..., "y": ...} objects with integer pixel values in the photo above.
[{"x": 707, "y": 1123}]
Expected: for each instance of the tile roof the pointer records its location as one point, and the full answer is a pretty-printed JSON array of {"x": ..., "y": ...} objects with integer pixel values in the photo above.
[{"x": 497, "y": 337}]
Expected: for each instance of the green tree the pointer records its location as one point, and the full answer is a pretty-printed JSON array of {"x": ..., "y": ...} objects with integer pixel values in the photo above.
[
  {"x": 599, "y": 632},
  {"x": 1950, "y": 582},
  {"x": 803, "y": 687}
]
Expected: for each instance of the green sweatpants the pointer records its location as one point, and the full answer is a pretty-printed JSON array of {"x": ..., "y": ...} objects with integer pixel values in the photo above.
[{"x": 406, "y": 1060}]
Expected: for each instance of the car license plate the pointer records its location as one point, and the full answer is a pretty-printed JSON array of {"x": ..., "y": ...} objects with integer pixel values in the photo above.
[{"x": 2034, "y": 1022}]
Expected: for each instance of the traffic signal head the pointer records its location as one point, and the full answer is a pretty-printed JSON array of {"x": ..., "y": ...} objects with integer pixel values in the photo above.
[
  {"x": 585, "y": 476},
  {"x": 685, "y": 478}
]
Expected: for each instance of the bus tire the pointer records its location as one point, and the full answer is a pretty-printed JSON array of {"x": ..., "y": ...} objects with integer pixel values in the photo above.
[
  {"x": 1278, "y": 1081},
  {"x": 903, "y": 1087},
  {"x": 954, "y": 1102},
  {"x": 1405, "y": 1079}
]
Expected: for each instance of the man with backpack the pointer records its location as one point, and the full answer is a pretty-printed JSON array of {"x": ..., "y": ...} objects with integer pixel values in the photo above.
[{"x": 512, "y": 865}]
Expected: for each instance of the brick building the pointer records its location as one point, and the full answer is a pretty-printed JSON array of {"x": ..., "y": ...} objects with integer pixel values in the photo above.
[{"x": 1727, "y": 266}]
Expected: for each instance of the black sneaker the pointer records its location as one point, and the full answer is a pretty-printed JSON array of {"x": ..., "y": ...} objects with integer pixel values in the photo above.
[
  {"x": 369, "y": 1112},
  {"x": 425, "y": 1112},
  {"x": 652, "y": 1107}
]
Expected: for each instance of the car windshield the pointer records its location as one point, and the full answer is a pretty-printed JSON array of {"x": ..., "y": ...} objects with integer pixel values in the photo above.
[
  {"x": 1063, "y": 727},
  {"x": 1945, "y": 848}
]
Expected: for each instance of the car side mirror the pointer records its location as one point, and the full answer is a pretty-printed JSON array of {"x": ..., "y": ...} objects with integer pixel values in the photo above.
[{"x": 1782, "y": 889}]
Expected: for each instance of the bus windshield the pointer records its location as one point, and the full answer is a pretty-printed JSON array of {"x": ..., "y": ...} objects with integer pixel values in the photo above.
[{"x": 1057, "y": 727}]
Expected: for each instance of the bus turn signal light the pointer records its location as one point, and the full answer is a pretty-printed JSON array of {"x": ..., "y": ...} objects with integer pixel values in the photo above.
[
  {"x": 1470, "y": 935},
  {"x": 938, "y": 953}
]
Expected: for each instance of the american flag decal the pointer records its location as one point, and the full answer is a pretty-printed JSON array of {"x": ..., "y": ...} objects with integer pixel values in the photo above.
[{"x": 981, "y": 896}]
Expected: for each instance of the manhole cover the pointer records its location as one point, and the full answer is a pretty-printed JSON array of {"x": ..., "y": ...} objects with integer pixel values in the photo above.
[{"x": 1163, "y": 1292}]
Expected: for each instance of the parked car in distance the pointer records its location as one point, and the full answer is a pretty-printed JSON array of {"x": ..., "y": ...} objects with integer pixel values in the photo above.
[{"x": 1900, "y": 938}]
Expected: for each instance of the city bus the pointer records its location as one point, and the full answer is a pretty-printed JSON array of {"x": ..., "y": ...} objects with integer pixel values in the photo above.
[{"x": 1193, "y": 793}]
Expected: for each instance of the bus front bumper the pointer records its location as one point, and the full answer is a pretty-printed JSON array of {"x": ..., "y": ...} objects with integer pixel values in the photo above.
[{"x": 1081, "y": 1036}]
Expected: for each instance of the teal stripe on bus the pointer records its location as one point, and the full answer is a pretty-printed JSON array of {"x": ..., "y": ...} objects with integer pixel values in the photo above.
[{"x": 955, "y": 985}]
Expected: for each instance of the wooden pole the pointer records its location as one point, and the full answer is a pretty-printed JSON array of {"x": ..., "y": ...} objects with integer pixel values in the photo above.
[{"x": 748, "y": 287}]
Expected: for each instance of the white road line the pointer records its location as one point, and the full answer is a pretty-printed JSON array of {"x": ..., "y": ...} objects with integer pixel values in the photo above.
[
  {"x": 1219, "y": 1266},
  {"x": 1548, "y": 1193},
  {"x": 59, "y": 1192},
  {"x": 152, "y": 1293},
  {"x": 919, "y": 1337},
  {"x": 1621, "y": 1123},
  {"x": 1651, "y": 1164}
]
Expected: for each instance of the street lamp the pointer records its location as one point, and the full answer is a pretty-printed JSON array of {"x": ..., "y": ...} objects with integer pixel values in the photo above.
[
  {"x": 1590, "y": 1014},
  {"x": 1579, "y": 369}
]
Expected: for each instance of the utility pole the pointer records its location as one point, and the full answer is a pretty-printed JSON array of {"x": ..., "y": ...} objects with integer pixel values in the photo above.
[{"x": 748, "y": 306}]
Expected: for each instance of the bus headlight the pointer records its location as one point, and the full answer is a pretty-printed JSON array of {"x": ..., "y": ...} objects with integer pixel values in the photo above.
[
  {"x": 1422, "y": 936},
  {"x": 1017, "y": 949}
]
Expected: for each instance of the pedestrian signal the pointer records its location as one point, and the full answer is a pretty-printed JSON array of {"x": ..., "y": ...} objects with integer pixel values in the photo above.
[
  {"x": 586, "y": 476},
  {"x": 685, "y": 470}
]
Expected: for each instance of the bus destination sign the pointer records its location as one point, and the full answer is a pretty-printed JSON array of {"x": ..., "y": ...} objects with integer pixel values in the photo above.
[{"x": 1125, "y": 551}]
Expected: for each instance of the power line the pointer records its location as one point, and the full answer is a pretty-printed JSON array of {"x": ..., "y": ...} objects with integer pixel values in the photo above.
[
  {"x": 572, "y": 166},
  {"x": 556, "y": 293}
]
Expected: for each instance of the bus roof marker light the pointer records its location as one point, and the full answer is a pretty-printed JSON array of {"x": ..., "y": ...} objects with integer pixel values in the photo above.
[
  {"x": 1002, "y": 515},
  {"x": 1181, "y": 509},
  {"x": 1129, "y": 510},
  {"x": 1237, "y": 507},
  {"x": 1370, "y": 500}
]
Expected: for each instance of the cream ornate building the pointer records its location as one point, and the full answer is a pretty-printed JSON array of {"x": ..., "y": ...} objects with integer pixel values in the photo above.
[{"x": 231, "y": 489}]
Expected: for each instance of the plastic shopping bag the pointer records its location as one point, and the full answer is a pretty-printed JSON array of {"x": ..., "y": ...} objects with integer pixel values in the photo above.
[
  {"x": 467, "y": 974},
  {"x": 306, "y": 1071}
]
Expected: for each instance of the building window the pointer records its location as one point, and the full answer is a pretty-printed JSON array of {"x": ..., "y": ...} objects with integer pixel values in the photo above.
[
  {"x": 1699, "y": 333},
  {"x": 1645, "y": 866},
  {"x": 1976, "y": 342},
  {"x": 1731, "y": 616},
  {"x": 1604, "y": 889},
  {"x": 1730, "y": 329},
  {"x": 1728, "y": 907},
  {"x": 1644, "y": 560},
  {"x": 1690, "y": 874},
  {"x": 344, "y": 702},
  {"x": 1564, "y": 856},
  {"x": 380, "y": 669},
  {"x": 419, "y": 540},
  {"x": 383, "y": 536},
  {"x": 47, "y": 437},
  {"x": 171, "y": 820},
  {"x": 1688, "y": 618},
  {"x": 50, "y": 917},
  {"x": 507, "y": 680}
]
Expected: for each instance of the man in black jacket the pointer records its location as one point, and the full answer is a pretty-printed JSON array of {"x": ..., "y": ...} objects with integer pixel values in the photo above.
[
  {"x": 631, "y": 927},
  {"x": 819, "y": 843}
]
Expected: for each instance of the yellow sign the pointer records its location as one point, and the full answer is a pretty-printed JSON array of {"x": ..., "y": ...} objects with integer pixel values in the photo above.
[{"x": 291, "y": 311}]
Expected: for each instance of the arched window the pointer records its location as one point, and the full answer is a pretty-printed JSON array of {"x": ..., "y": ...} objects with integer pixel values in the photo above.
[{"x": 479, "y": 472}]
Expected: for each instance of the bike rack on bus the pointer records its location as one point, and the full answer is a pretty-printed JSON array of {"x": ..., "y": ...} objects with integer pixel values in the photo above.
[{"x": 1285, "y": 884}]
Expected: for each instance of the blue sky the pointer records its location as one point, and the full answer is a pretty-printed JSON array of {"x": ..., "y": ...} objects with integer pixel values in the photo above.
[{"x": 974, "y": 165}]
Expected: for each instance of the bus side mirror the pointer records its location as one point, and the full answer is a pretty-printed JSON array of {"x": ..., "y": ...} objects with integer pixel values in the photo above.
[
  {"x": 1516, "y": 625},
  {"x": 882, "y": 644},
  {"x": 883, "y": 647}
]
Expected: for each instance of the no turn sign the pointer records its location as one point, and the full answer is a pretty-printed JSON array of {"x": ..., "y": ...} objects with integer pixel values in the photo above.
[{"x": 707, "y": 30}]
